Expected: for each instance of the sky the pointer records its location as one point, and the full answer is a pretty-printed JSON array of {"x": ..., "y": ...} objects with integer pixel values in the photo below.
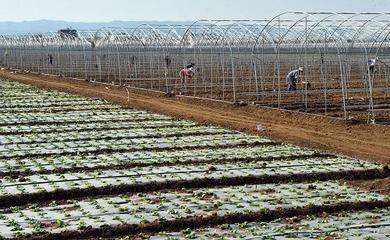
[{"x": 176, "y": 10}]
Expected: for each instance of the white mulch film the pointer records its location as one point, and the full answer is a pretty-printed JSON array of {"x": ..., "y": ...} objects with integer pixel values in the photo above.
[{"x": 45, "y": 135}]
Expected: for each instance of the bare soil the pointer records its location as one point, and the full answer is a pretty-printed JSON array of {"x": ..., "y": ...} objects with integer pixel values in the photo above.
[{"x": 380, "y": 185}]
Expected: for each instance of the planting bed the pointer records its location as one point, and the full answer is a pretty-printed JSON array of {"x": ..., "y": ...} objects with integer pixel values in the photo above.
[
  {"x": 73, "y": 167},
  {"x": 124, "y": 144},
  {"x": 45, "y": 187},
  {"x": 47, "y": 128},
  {"x": 77, "y": 117},
  {"x": 112, "y": 134},
  {"x": 67, "y": 162},
  {"x": 360, "y": 225},
  {"x": 184, "y": 208}
]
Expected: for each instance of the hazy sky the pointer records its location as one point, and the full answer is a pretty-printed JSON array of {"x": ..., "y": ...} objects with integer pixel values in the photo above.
[{"x": 108, "y": 10}]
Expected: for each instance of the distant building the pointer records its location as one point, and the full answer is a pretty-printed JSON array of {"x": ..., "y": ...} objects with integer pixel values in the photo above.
[{"x": 68, "y": 32}]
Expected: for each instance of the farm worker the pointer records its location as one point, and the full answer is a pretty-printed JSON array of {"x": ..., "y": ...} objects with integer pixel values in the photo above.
[
  {"x": 371, "y": 64},
  {"x": 168, "y": 62},
  {"x": 292, "y": 79},
  {"x": 186, "y": 73},
  {"x": 50, "y": 59}
]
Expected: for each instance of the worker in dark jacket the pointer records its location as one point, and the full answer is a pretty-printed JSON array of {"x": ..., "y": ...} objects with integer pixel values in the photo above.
[
  {"x": 372, "y": 64},
  {"x": 292, "y": 79},
  {"x": 50, "y": 59}
]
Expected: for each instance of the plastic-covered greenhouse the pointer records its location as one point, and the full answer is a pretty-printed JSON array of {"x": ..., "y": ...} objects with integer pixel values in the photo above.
[{"x": 241, "y": 61}]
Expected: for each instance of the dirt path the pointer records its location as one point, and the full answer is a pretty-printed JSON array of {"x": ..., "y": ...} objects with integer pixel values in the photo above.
[
  {"x": 370, "y": 142},
  {"x": 380, "y": 185}
]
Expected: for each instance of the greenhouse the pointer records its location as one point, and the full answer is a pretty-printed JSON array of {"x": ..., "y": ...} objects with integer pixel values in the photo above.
[{"x": 240, "y": 61}]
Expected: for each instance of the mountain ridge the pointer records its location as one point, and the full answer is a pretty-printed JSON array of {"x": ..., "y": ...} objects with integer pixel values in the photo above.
[{"x": 44, "y": 25}]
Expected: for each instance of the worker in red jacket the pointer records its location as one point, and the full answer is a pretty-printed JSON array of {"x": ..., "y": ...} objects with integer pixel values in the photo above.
[{"x": 185, "y": 74}]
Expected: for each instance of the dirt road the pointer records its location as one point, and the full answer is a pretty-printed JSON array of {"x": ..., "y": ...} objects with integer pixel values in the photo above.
[{"x": 369, "y": 142}]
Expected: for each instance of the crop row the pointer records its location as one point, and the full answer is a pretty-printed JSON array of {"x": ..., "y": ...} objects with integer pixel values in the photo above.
[
  {"x": 21, "y": 129},
  {"x": 23, "y": 166},
  {"x": 39, "y": 98},
  {"x": 60, "y": 109},
  {"x": 55, "y": 102},
  {"x": 112, "y": 134},
  {"x": 177, "y": 209},
  {"x": 13, "y": 89},
  {"x": 152, "y": 144},
  {"x": 84, "y": 184},
  {"x": 31, "y": 94},
  {"x": 31, "y": 98},
  {"x": 11, "y": 84},
  {"x": 27, "y": 89},
  {"x": 372, "y": 224},
  {"x": 7, "y": 119},
  {"x": 36, "y": 100}
]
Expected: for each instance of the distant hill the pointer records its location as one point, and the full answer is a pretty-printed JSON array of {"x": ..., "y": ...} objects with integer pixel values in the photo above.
[{"x": 41, "y": 26}]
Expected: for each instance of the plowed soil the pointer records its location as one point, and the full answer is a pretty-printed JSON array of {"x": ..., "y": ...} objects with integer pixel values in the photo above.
[{"x": 379, "y": 185}]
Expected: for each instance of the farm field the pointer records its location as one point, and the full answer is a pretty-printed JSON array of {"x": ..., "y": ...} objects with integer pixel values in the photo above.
[
  {"x": 73, "y": 167},
  {"x": 361, "y": 141}
]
